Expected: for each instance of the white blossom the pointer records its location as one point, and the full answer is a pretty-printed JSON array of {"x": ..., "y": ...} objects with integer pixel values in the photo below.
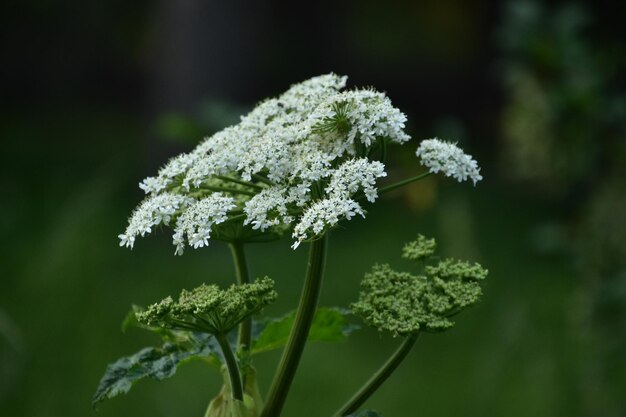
[
  {"x": 448, "y": 158},
  {"x": 323, "y": 215},
  {"x": 298, "y": 160},
  {"x": 151, "y": 212},
  {"x": 197, "y": 220},
  {"x": 267, "y": 208},
  {"x": 356, "y": 174}
]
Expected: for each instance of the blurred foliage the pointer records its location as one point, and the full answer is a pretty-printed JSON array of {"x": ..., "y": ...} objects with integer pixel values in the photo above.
[
  {"x": 564, "y": 132},
  {"x": 564, "y": 121},
  {"x": 209, "y": 117}
]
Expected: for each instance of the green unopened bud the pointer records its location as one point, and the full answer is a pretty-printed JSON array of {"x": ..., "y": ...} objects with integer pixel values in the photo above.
[
  {"x": 209, "y": 309},
  {"x": 419, "y": 249},
  {"x": 403, "y": 303}
]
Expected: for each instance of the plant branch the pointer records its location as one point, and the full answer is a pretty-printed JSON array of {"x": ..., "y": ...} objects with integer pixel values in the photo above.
[
  {"x": 225, "y": 190},
  {"x": 300, "y": 330},
  {"x": 243, "y": 277},
  {"x": 233, "y": 368},
  {"x": 403, "y": 183},
  {"x": 238, "y": 181},
  {"x": 261, "y": 178},
  {"x": 378, "y": 378}
]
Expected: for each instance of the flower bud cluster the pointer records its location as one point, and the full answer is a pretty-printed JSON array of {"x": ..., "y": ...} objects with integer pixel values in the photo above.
[
  {"x": 403, "y": 303},
  {"x": 209, "y": 309}
]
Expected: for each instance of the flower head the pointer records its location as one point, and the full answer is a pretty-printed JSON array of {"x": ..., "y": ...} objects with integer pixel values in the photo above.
[
  {"x": 209, "y": 309},
  {"x": 298, "y": 162},
  {"x": 403, "y": 303},
  {"x": 446, "y": 157}
]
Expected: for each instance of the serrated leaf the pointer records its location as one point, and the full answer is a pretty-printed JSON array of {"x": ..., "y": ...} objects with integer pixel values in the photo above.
[
  {"x": 329, "y": 325},
  {"x": 152, "y": 362},
  {"x": 366, "y": 413}
]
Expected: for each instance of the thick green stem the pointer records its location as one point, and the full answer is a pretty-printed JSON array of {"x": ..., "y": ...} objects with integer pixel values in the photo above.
[
  {"x": 403, "y": 183},
  {"x": 378, "y": 378},
  {"x": 243, "y": 277},
  {"x": 231, "y": 365},
  {"x": 300, "y": 330}
]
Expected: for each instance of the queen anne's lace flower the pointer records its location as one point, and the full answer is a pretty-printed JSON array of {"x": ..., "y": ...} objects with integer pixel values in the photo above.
[
  {"x": 153, "y": 211},
  {"x": 323, "y": 215},
  {"x": 197, "y": 220},
  {"x": 302, "y": 160},
  {"x": 446, "y": 157}
]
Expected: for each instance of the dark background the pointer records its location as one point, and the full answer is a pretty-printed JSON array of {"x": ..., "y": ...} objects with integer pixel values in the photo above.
[{"x": 95, "y": 96}]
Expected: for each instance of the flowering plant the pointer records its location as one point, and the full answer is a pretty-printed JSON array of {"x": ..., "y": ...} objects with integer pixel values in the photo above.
[{"x": 296, "y": 165}]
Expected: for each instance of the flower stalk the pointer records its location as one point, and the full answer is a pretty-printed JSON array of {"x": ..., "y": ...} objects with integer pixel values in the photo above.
[
  {"x": 299, "y": 333},
  {"x": 385, "y": 371},
  {"x": 244, "y": 337},
  {"x": 402, "y": 183},
  {"x": 233, "y": 368}
]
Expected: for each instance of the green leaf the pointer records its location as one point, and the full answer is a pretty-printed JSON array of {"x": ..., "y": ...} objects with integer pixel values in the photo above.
[
  {"x": 329, "y": 325},
  {"x": 153, "y": 362},
  {"x": 366, "y": 413}
]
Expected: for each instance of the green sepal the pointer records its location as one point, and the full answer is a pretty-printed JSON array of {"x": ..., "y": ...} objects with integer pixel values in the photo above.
[
  {"x": 330, "y": 324},
  {"x": 154, "y": 362}
]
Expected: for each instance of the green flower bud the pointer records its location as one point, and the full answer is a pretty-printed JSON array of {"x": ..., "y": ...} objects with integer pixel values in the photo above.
[
  {"x": 209, "y": 309},
  {"x": 403, "y": 303},
  {"x": 419, "y": 249}
]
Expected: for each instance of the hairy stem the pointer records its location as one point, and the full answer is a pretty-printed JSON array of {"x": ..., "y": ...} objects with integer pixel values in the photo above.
[
  {"x": 244, "y": 337},
  {"x": 403, "y": 183},
  {"x": 378, "y": 378},
  {"x": 300, "y": 330},
  {"x": 233, "y": 368}
]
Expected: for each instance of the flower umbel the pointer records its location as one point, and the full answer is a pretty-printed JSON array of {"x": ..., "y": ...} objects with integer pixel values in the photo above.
[
  {"x": 299, "y": 160},
  {"x": 208, "y": 309},
  {"x": 446, "y": 157},
  {"x": 403, "y": 303}
]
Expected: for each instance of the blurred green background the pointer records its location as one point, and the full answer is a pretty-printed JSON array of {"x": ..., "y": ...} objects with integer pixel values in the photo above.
[{"x": 97, "y": 95}]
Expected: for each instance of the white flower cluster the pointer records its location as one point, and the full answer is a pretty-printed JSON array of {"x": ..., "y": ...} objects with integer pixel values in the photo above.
[
  {"x": 151, "y": 212},
  {"x": 446, "y": 157},
  {"x": 299, "y": 160},
  {"x": 197, "y": 220}
]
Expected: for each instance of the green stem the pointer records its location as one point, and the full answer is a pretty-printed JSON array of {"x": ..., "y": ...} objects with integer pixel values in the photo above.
[
  {"x": 231, "y": 365},
  {"x": 300, "y": 330},
  {"x": 225, "y": 190},
  {"x": 243, "y": 277},
  {"x": 403, "y": 183},
  {"x": 378, "y": 378},
  {"x": 261, "y": 178},
  {"x": 238, "y": 181}
]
